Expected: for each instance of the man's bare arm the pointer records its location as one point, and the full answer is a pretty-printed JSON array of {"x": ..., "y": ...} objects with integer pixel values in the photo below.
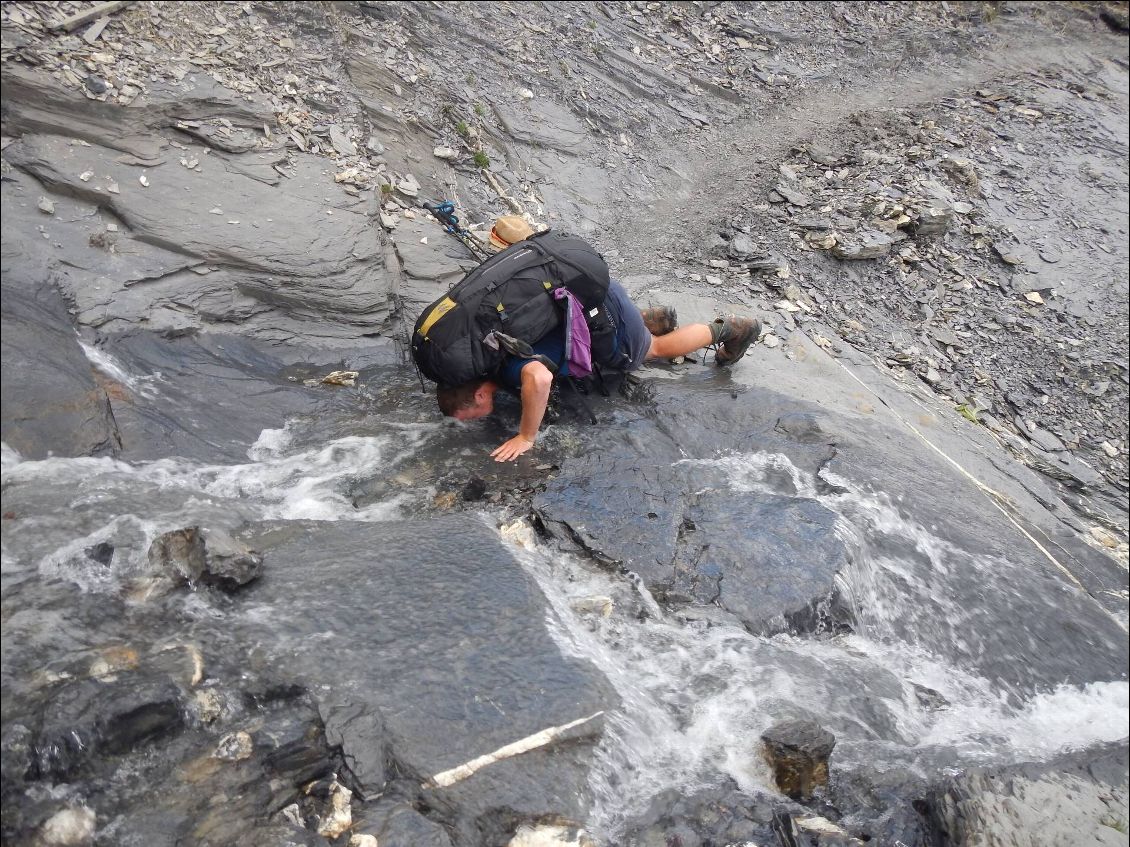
[{"x": 536, "y": 383}]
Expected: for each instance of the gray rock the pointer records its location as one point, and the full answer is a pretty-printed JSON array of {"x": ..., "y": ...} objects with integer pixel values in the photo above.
[
  {"x": 341, "y": 142},
  {"x": 792, "y": 195},
  {"x": 742, "y": 246},
  {"x": 542, "y": 123},
  {"x": 933, "y": 220},
  {"x": 399, "y": 825},
  {"x": 113, "y": 714},
  {"x": 359, "y": 732},
  {"x": 1046, "y": 440},
  {"x": 210, "y": 557},
  {"x": 234, "y": 747},
  {"x": 870, "y": 244},
  {"x": 1081, "y": 798},
  {"x": 769, "y": 560},
  {"x": 228, "y": 564}
]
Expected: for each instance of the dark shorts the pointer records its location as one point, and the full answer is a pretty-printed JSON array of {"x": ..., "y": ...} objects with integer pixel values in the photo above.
[{"x": 631, "y": 335}]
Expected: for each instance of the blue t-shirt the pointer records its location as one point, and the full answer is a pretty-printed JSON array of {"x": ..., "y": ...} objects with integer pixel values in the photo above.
[
  {"x": 632, "y": 338},
  {"x": 552, "y": 346}
]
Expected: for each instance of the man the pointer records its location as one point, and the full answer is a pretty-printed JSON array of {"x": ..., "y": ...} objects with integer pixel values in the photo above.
[{"x": 640, "y": 336}]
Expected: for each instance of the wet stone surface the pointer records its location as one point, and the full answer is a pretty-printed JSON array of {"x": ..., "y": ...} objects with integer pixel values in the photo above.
[{"x": 210, "y": 207}]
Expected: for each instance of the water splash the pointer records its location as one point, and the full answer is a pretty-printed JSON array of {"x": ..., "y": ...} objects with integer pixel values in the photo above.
[
  {"x": 146, "y": 386},
  {"x": 127, "y": 504},
  {"x": 696, "y": 697}
]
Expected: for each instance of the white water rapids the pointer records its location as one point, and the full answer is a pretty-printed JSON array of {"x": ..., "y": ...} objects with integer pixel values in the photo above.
[{"x": 695, "y": 697}]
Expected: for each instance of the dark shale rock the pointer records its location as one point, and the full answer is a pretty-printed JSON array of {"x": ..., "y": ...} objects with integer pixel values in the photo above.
[{"x": 52, "y": 404}]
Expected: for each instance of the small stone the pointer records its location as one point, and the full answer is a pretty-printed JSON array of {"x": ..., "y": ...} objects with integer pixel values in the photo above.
[
  {"x": 588, "y": 605},
  {"x": 1109, "y": 449},
  {"x": 714, "y": 280},
  {"x": 286, "y": 43},
  {"x": 113, "y": 188},
  {"x": 742, "y": 245},
  {"x": 798, "y": 751},
  {"x": 932, "y": 376},
  {"x": 96, "y": 85},
  {"x": 870, "y": 244},
  {"x": 144, "y": 180},
  {"x": 791, "y": 195},
  {"x": 770, "y": 340},
  {"x": 389, "y": 222},
  {"x": 216, "y": 211},
  {"x": 86, "y": 175},
  {"x": 1050, "y": 256},
  {"x": 445, "y": 153},
  {"x": 718, "y": 263},
  {"x": 362, "y": 839},
  {"x": 46, "y": 206},
  {"x": 69, "y": 828},
  {"x": 933, "y": 220},
  {"x": 340, "y": 816},
  {"x": 234, "y": 748},
  {"x": 1007, "y": 254},
  {"x": 408, "y": 186},
  {"x": 526, "y": 94},
  {"x": 208, "y": 704},
  {"x": 474, "y": 490},
  {"x": 341, "y": 142},
  {"x": 374, "y": 145},
  {"x": 1034, "y": 297},
  {"x": 563, "y": 833},
  {"x": 821, "y": 240}
]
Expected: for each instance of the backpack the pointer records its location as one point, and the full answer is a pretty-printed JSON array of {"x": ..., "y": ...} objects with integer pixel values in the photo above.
[{"x": 512, "y": 293}]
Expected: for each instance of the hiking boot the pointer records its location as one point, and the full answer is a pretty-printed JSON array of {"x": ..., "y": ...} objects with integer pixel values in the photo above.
[
  {"x": 659, "y": 320},
  {"x": 734, "y": 334}
]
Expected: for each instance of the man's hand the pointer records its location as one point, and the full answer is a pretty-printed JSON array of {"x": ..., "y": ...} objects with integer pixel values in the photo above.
[{"x": 512, "y": 449}]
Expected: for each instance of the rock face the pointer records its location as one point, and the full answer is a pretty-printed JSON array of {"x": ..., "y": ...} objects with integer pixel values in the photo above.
[
  {"x": 236, "y": 246},
  {"x": 1073, "y": 800}
]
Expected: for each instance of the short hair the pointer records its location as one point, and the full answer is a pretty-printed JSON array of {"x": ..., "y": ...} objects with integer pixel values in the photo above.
[{"x": 452, "y": 398}]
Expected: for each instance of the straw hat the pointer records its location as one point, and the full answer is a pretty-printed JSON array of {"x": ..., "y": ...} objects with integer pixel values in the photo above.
[{"x": 508, "y": 230}]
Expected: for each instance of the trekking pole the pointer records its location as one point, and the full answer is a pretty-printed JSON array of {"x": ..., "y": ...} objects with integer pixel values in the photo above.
[{"x": 444, "y": 212}]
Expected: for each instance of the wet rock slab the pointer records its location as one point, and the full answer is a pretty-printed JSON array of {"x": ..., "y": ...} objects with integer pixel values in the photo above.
[
  {"x": 1080, "y": 798},
  {"x": 433, "y": 646},
  {"x": 51, "y": 402},
  {"x": 653, "y": 500}
]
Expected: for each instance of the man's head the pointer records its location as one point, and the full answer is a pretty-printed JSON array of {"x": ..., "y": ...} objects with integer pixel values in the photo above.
[
  {"x": 510, "y": 229},
  {"x": 468, "y": 401}
]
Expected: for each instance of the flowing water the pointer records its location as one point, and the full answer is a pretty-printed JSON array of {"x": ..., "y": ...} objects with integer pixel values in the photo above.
[{"x": 900, "y": 690}]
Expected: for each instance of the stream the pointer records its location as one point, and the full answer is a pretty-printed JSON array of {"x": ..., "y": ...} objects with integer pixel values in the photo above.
[{"x": 900, "y": 689}]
